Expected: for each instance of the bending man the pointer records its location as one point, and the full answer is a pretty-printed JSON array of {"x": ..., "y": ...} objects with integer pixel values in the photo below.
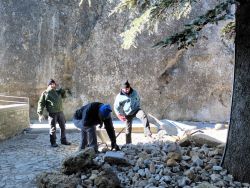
[{"x": 90, "y": 115}]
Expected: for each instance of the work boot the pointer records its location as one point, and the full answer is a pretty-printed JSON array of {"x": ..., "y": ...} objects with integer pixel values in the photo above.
[
  {"x": 65, "y": 143},
  {"x": 115, "y": 147},
  {"x": 54, "y": 145}
]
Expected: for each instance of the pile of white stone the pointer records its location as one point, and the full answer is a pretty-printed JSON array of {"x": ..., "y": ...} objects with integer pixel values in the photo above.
[
  {"x": 164, "y": 164},
  {"x": 186, "y": 163}
]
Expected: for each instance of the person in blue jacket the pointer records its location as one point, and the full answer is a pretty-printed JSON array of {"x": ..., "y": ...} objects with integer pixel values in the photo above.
[
  {"x": 127, "y": 107},
  {"x": 87, "y": 117}
]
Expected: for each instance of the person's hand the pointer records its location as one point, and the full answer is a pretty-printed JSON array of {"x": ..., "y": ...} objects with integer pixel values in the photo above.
[
  {"x": 121, "y": 117},
  {"x": 68, "y": 91},
  {"x": 41, "y": 118}
]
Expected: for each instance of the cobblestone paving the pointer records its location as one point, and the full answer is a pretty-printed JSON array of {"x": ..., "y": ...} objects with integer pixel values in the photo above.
[{"x": 26, "y": 155}]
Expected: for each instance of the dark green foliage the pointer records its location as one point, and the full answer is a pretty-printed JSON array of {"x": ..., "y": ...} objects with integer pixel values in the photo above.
[
  {"x": 162, "y": 5},
  {"x": 190, "y": 33},
  {"x": 160, "y": 9}
]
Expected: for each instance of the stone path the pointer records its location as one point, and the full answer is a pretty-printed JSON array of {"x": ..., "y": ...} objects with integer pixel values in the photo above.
[{"x": 27, "y": 155}]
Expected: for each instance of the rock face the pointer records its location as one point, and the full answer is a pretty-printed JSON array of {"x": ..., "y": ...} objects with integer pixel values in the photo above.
[{"x": 80, "y": 46}]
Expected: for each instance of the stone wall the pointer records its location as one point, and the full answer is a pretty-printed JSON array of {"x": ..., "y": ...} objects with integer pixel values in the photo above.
[
  {"x": 80, "y": 47},
  {"x": 14, "y": 116}
]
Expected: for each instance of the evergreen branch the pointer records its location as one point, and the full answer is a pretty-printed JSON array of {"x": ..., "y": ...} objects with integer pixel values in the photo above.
[
  {"x": 161, "y": 6},
  {"x": 190, "y": 33},
  {"x": 148, "y": 10},
  {"x": 160, "y": 9},
  {"x": 128, "y": 4},
  {"x": 123, "y": 5},
  {"x": 135, "y": 28}
]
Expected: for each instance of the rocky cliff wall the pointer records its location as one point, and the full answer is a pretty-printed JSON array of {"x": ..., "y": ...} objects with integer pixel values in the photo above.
[{"x": 80, "y": 46}]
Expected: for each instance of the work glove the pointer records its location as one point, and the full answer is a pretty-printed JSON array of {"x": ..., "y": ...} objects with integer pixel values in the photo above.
[
  {"x": 41, "y": 118},
  {"x": 121, "y": 117},
  {"x": 115, "y": 147}
]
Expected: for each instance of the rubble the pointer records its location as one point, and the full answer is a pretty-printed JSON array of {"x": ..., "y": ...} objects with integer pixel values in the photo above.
[{"x": 158, "y": 164}]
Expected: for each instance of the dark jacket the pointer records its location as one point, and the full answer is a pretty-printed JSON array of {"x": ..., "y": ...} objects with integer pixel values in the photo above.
[
  {"x": 90, "y": 114},
  {"x": 90, "y": 117}
]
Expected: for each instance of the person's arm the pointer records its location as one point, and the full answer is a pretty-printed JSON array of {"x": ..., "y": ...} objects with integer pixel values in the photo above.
[
  {"x": 137, "y": 99},
  {"x": 111, "y": 133},
  {"x": 62, "y": 92},
  {"x": 118, "y": 108}
]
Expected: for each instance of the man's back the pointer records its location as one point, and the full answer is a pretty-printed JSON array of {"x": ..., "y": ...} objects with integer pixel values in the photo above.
[{"x": 90, "y": 115}]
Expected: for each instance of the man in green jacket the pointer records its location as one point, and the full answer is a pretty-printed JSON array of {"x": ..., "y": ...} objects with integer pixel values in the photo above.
[{"x": 51, "y": 98}]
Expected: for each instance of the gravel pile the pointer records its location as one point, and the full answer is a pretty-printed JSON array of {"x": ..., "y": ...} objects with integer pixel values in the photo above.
[{"x": 158, "y": 163}]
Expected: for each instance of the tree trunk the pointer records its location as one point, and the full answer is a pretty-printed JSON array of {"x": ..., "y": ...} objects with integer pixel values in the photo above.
[{"x": 237, "y": 152}]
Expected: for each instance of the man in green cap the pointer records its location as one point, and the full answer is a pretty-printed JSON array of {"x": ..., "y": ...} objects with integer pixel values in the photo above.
[{"x": 51, "y": 98}]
